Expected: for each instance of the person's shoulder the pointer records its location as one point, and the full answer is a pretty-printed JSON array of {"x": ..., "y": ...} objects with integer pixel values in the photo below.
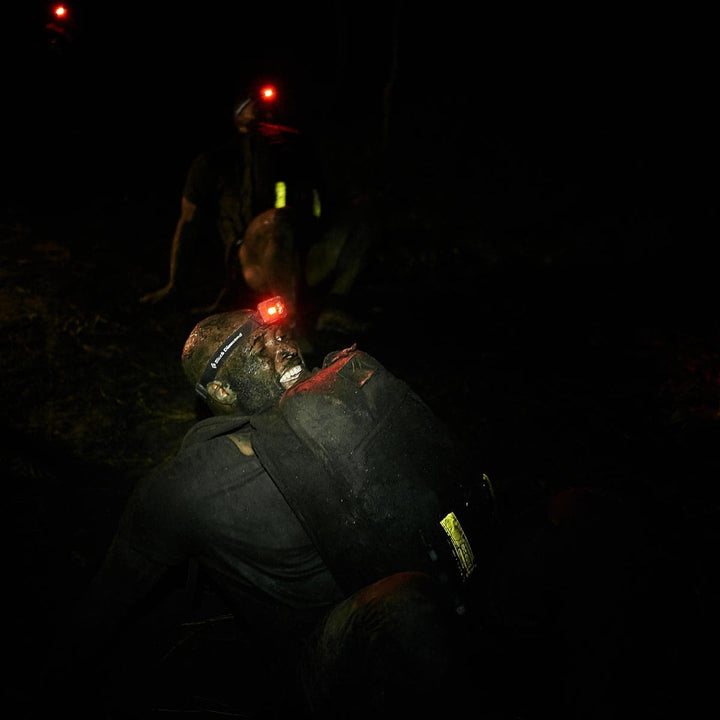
[
  {"x": 358, "y": 357},
  {"x": 213, "y": 427},
  {"x": 279, "y": 135},
  {"x": 337, "y": 355},
  {"x": 201, "y": 454}
]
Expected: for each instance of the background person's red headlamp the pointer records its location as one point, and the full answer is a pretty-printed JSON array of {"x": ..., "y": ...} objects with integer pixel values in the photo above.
[
  {"x": 268, "y": 312},
  {"x": 267, "y": 94}
]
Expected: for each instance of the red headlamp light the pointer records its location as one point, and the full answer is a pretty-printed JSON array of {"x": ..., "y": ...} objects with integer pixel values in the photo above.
[
  {"x": 267, "y": 93},
  {"x": 272, "y": 310}
]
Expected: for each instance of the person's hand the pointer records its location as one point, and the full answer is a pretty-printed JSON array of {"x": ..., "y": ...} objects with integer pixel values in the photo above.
[{"x": 157, "y": 295}]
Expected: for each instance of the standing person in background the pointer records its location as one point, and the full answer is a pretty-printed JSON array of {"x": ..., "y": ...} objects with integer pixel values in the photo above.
[{"x": 265, "y": 171}]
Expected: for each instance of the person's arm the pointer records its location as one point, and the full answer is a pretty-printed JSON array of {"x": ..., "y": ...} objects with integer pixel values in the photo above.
[
  {"x": 181, "y": 237},
  {"x": 151, "y": 540},
  {"x": 124, "y": 580}
]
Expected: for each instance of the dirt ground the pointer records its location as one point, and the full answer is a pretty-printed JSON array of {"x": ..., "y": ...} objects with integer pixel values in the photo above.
[{"x": 567, "y": 351}]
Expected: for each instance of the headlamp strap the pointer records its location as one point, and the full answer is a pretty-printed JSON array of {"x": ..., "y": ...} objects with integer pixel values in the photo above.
[
  {"x": 218, "y": 358},
  {"x": 242, "y": 106}
]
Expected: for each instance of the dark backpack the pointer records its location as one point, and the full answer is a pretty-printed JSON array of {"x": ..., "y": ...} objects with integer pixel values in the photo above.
[{"x": 374, "y": 476}]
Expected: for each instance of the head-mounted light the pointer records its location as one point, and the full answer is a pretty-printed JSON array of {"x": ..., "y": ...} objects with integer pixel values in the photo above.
[
  {"x": 272, "y": 310},
  {"x": 268, "y": 312},
  {"x": 242, "y": 106},
  {"x": 267, "y": 94}
]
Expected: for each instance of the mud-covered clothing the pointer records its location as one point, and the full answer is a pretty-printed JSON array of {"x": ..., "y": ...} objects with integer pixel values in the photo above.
[
  {"x": 216, "y": 507},
  {"x": 366, "y": 466},
  {"x": 350, "y": 477},
  {"x": 212, "y": 510},
  {"x": 220, "y": 507}
]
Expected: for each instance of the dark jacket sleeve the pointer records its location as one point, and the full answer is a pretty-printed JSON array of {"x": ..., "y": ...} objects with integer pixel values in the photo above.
[
  {"x": 125, "y": 579},
  {"x": 73, "y": 677},
  {"x": 147, "y": 544}
]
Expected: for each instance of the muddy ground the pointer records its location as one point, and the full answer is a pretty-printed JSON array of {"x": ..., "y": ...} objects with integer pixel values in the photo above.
[{"x": 565, "y": 324}]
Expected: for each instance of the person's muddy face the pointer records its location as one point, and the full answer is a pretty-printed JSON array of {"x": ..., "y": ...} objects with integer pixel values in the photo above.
[{"x": 267, "y": 364}]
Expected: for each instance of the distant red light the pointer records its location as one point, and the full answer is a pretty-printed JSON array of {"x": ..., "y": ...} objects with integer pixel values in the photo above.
[
  {"x": 60, "y": 11},
  {"x": 268, "y": 93}
]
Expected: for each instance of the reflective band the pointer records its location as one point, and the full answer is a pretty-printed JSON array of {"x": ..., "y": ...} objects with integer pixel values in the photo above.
[
  {"x": 242, "y": 106},
  {"x": 317, "y": 206},
  {"x": 460, "y": 544},
  {"x": 280, "y": 194}
]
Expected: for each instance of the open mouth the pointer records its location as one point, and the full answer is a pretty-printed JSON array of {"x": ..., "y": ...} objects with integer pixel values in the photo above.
[{"x": 290, "y": 375}]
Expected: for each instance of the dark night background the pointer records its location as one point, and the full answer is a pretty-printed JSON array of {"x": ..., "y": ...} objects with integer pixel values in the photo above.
[{"x": 547, "y": 282}]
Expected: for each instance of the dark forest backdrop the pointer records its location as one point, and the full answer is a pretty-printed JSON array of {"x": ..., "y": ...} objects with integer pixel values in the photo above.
[{"x": 548, "y": 279}]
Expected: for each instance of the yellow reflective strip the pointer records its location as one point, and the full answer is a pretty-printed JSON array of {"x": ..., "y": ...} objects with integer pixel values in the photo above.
[
  {"x": 317, "y": 206},
  {"x": 460, "y": 544},
  {"x": 280, "y": 194}
]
